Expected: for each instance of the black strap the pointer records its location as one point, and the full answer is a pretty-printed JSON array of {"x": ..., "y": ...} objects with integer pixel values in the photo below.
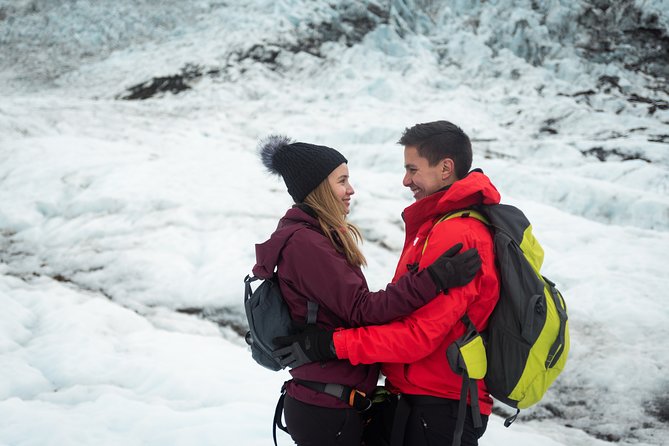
[
  {"x": 247, "y": 286},
  {"x": 400, "y": 421},
  {"x": 353, "y": 397},
  {"x": 312, "y": 312},
  {"x": 556, "y": 350},
  {"x": 277, "y": 414},
  {"x": 469, "y": 386},
  {"x": 468, "y": 323},
  {"x": 462, "y": 410},
  {"x": 474, "y": 397},
  {"x": 473, "y": 383},
  {"x": 511, "y": 419}
]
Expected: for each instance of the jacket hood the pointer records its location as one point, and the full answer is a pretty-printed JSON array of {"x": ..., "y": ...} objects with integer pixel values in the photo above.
[
  {"x": 268, "y": 253},
  {"x": 475, "y": 188}
]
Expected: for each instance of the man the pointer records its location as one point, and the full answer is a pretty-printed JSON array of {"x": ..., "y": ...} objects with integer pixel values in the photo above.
[{"x": 412, "y": 350}]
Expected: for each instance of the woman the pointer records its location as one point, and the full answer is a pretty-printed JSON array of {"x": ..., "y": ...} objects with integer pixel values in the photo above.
[{"x": 315, "y": 253}]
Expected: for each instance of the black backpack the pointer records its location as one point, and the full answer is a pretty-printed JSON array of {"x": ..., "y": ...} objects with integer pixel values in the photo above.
[{"x": 268, "y": 317}]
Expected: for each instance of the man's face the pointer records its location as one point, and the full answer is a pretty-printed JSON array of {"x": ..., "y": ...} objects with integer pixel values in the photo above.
[{"x": 422, "y": 178}]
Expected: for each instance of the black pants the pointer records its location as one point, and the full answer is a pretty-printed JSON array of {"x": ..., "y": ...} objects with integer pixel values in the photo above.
[
  {"x": 310, "y": 425},
  {"x": 431, "y": 422}
]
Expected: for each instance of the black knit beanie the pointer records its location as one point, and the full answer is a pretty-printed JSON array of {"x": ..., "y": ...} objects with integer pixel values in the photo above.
[{"x": 303, "y": 166}]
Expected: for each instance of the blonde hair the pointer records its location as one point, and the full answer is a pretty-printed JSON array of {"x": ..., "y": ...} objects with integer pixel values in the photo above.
[{"x": 331, "y": 215}]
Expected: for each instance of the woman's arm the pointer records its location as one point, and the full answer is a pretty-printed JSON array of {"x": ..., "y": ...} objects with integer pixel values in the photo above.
[{"x": 327, "y": 278}]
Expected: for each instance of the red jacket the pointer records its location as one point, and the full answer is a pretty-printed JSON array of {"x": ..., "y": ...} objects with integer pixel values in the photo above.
[
  {"x": 309, "y": 268},
  {"x": 413, "y": 349}
]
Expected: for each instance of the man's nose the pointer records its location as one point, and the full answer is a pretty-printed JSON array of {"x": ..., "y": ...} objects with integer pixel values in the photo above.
[{"x": 406, "y": 181}]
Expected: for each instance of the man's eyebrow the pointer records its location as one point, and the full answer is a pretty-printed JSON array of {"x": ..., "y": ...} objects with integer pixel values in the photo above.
[{"x": 406, "y": 166}]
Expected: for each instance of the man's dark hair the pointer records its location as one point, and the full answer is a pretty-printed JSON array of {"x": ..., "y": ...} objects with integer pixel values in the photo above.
[{"x": 438, "y": 140}]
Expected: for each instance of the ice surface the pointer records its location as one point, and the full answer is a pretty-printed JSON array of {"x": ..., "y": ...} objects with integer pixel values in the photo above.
[{"x": 127, "y": 226}]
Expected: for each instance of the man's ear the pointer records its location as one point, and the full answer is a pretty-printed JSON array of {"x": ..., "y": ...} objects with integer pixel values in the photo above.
[{"x": 447, "y": 168}]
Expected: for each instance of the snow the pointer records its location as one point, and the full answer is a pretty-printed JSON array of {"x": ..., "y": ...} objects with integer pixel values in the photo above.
[{"x": 127, "y": 226}]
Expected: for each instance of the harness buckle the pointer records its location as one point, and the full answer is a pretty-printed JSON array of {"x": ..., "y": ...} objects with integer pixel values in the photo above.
[{"x": 359, "y": 400}]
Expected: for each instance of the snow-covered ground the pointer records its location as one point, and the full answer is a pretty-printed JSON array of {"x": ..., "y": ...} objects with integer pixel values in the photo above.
[{"x": 126, "y": 227}]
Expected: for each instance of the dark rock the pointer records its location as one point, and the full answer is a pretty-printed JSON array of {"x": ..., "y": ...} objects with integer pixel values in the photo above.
[
  {"x": 620, "y": 32},
  {"x": 172, "y": 84},
  {"x": 605, "y": 83},
  {"x": 654, "y": 103},
  {"x": 659, "y": 138},
  {"x": 603, "y": 154},
  {"x": 223, "y": 317}
]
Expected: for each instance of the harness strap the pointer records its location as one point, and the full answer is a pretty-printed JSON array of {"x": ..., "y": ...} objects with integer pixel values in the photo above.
[
  {"x": 400, "y": 420},
  {"x": 277, "y": 414},
  {"x": 406, "y": 402},
  {"x": 353, "y": 397}
]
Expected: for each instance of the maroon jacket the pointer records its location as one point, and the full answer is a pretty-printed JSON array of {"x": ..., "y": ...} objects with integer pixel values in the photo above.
[{"x": 310, "y": 268}]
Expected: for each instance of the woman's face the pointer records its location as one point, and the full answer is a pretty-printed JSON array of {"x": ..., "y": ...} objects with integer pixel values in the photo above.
[{"x": 342, "y": 189}]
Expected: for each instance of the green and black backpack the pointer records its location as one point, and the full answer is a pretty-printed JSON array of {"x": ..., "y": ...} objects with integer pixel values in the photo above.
[{"x": 525, "y": 345}]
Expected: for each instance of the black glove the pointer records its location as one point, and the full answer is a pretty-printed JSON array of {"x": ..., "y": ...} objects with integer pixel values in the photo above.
[
  {"x": 452, "y": 269},
  {"x": 311, "y": 345}
]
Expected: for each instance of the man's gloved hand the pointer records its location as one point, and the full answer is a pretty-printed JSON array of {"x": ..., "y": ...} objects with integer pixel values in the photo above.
[
  {"x": 311, "y": 345},
  {"x": 452, "y": 269}
]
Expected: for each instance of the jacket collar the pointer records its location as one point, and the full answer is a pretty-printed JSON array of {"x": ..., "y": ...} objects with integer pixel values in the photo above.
[{"x": 476, "y": 188}]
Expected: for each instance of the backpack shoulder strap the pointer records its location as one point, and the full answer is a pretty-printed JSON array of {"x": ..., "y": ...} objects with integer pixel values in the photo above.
[
  {"x": 463, "y": 213},
  {"x": 312, "y": 307},
  {"x": 312, "y": 312}
]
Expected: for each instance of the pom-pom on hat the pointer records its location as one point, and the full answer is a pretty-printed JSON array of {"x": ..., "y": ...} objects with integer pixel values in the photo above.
[{"x": 303, "y": 166}]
